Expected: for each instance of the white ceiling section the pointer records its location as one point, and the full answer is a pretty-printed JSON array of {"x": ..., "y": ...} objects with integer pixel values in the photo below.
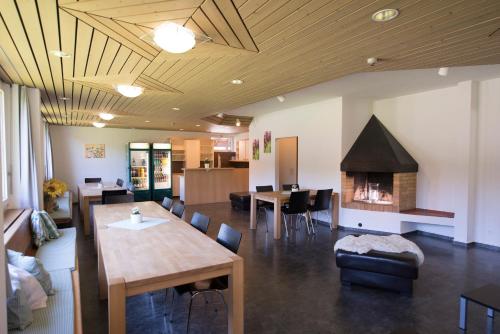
[{"x": 274, "y": 46}]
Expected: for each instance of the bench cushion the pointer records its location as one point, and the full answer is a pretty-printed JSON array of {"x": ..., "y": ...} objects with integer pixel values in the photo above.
[
  {"x": 59, "y": 253},
  {"x": 395, "y": 264},
  {"x": 58, "y": 316}
]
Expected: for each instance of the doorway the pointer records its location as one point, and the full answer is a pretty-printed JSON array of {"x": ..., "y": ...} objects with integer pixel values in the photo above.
[{"x": 286, "y": 161}]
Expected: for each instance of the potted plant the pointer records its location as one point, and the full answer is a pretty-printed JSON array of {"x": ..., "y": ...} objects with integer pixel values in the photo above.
[
  {"x": 53, "y": 189},
  {"x": 207, "y": 163},
  {"x": 136, "y": 216}
]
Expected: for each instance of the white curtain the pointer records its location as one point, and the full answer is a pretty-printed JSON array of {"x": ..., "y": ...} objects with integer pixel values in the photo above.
[
  {"x": 30, "y": 149},
  {"x": 49, "y": 167}
]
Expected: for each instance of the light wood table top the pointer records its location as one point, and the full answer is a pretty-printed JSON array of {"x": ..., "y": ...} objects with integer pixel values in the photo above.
[
  {"x": 166, "y": 255},
  {"x": 91, "y": 192}
]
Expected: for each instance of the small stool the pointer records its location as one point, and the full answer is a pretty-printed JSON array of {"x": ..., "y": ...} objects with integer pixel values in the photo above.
[{"x": 487, "y": 296}]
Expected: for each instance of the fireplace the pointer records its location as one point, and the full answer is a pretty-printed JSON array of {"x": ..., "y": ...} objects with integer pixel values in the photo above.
[{"x": 378, "y": 174}]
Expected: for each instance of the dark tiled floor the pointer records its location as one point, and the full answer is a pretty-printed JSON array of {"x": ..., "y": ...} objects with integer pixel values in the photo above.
[{"x": 292, "y": 286}]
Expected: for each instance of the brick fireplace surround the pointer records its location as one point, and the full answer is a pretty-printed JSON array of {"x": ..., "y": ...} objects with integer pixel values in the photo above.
[{"x": 404, "y": 196}]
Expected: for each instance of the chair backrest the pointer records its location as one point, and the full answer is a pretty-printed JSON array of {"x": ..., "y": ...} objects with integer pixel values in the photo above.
[
  {"x": 200, "y": 222},
  {"x": 263, "y": 189},
  {"x": 298, "y": 202},
  {"x": 229, "y": 238},
  {"x": 322, "y": 200},
  {"x": 115, "y": 199},
  {"x": 167, "y": 203},
  {"x": 110, "y": 193},
  {"x": 130, "y": 187},
  {"x": 93, "y": 179},
  {"x": 119, "y": 182},
  {"x": 178, "y": 209},
  {"x": 288, "y": 187}
]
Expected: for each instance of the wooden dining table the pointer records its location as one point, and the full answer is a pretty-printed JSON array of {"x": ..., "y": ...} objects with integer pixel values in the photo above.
[
  {"x": 132, "y": 262},
  {"x": 88, "y": 193},
  {"x": 280, "y": 198}
]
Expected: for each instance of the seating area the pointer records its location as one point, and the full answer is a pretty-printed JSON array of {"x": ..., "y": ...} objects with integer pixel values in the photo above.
[{"x": 249, "y": 166}]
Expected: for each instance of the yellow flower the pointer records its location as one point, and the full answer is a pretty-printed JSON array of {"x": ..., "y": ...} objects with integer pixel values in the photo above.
[{"x": 54, "y": 188}]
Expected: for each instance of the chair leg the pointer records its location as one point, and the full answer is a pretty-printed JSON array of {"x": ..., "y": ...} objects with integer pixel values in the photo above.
[
  {"x": 312, "y": 224},
  {"x": 286, "y": 228},
  {"x": 307, "y": 224}
]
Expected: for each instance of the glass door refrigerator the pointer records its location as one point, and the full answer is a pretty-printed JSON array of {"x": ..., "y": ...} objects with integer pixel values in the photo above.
[
  {"x": 162, "y": 171},
  {"x": 139, "y": 170}
]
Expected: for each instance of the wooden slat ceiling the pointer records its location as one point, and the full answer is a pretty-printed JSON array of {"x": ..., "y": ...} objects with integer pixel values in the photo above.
[{"x": 275, "y": 46}]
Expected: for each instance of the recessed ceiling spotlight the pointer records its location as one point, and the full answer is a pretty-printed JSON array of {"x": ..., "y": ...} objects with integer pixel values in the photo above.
[
  {"x": 174, "y": 38},
  {"x": 443, "y": 71},
  {"x": 99, "y": 124},
  {"x": 181, "y": 129},
  {"x": 64, "y": 98},
  {"x": 237, "y": 82},
  {"x": 147, "y": 121},
  {"x": 129, "y": 90},
  {"x": 60, "y": 54},
  {"x": 220, "y": 115},
  {"x": 197, "y": 125},
  {"x": 281, "y": 98},
  {"x": 175, "y": 108},
  {"x": 238, "y": 123},
  {"x": 372, "y": 61},
  {"x": 385, "y": 15},
  {"x": 106, "y": 116}
]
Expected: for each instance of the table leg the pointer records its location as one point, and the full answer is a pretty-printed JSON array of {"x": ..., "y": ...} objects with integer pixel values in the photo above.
[
  {"x": 101, "y": 276},
  {"x": 491, "y": 312},
  {"x": 86, "y": 216},
  {"x": 335, "y": 211},
  {"x": 236, "y": 298},
  {"x": 277, "y": 219},
  {"x": 253, "y": 212},
  {"x": 463, "y": 314},
  {"x": 116, "y": 307}
]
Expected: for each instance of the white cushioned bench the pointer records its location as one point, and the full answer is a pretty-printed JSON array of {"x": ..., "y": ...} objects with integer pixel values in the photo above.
[{"x": 63, "y": 311}]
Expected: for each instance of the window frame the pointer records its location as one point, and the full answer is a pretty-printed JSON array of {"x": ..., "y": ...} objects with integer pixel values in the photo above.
[{"x": 3, "y": 150}]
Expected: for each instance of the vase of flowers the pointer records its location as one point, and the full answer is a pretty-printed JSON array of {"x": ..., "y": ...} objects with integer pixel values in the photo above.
[
  {"x": 53, "y": 189},
  {"x": 207, "y": 163},
  {"x": 136, "y": 216}
]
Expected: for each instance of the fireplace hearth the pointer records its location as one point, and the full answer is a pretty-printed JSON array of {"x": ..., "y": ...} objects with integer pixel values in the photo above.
[{"x": 378, "y": 174}]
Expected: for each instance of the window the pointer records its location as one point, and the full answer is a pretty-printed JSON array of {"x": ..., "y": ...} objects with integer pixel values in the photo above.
[{"x": 3, "y": 149}]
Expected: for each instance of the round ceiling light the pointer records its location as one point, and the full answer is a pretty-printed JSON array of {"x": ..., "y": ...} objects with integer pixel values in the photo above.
[
  {"x": 238, "y": 123},
  {"x": 64, "y": 98},
  {"x": 174, "y": 38},
  {"x": 106, "y": 116},
  {"x": 129, "y": 90},
  {"x": 99, "y": 124},
  {"x": 237, "y": 82},
  {"x": 198, "y": 125},
  {"x": 385, "y": 15},
  {"x": 176, "y": 109},
  {"x": 60, "y": 54}
]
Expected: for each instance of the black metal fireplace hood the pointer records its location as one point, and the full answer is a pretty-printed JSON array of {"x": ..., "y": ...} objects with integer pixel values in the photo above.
[{"x": 376, "y": 150}]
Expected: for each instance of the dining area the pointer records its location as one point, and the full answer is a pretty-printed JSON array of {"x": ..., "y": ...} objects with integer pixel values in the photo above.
[{"x": 146, "y": 247}]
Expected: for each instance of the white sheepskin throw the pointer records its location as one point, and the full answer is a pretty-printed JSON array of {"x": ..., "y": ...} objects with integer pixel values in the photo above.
[{"x": 392, "y": 244}]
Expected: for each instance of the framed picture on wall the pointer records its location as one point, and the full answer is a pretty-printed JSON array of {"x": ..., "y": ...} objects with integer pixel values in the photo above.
[
  {"x": 267, "y": 142},
  {"x": 94, "y": 151},
  {"x": 255, "y": 149}
]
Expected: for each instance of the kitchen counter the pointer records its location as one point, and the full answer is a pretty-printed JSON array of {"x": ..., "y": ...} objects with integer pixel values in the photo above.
[{"x": 212, "y": 185}]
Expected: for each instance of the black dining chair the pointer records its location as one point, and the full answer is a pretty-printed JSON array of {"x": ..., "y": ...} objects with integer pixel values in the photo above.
[
  {"x": 230, "y": 239},
  {"x": 93, "y": 179},
  {"x": 321, "y": 203},
  {"x": 200, "y": 222},
  {"x": 130, "y": 187},
  {"x": 115, "y": 199},
  {"x": 178, "y": 209},
  {"x": 264, "y": 206},
  {"x": 167, "y": 203},
  {"x": 111, "y": 193},
  {"x": 119, "y": 182},
  {"x": 288, "y": 187},
  {"x": 297, "y": 206}
]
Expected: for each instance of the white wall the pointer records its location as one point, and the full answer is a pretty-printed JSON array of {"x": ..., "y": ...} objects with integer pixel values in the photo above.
[
  {"x": 487, "y": 216},
  {"x": 68, "y": 151},
  {"x": 318, "y": 128}
]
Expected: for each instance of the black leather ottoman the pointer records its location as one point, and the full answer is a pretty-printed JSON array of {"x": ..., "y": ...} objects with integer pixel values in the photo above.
[
  {"x": 240, "y": 201},
  {"x": 391, "y": 271}
]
